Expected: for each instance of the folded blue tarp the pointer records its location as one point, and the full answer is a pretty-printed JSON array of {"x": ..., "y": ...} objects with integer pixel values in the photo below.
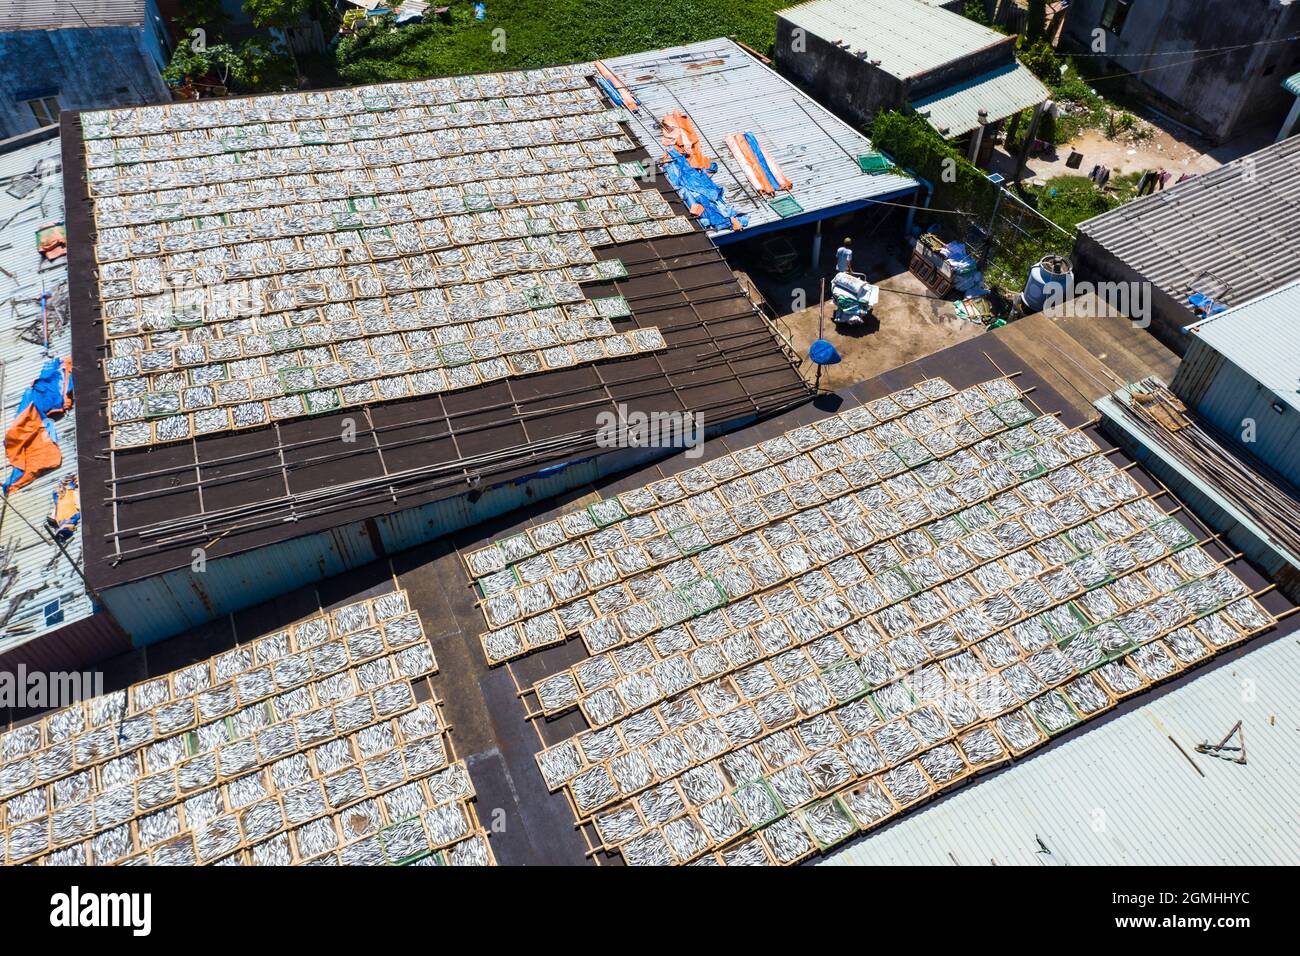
[{"x": 701, "y": 194}]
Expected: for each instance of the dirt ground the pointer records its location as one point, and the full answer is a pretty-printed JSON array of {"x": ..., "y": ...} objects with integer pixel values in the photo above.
[
  {"x": 908, "y": 323},
  {"x": 1168, "y": 147}
]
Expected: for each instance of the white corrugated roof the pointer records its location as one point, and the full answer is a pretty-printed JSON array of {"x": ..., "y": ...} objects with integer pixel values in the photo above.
[
  {"x": 1122, "y": 793},
  {"x": 1001, "y": 93},
  {"x": 31, "y": 196},
  {"x": 1232, "y": 227},
  {"x": 725, "y": 90},
  {"x": 907, "y": 37},
  {"x": 1262, "y": 338},
  {"x": 69, "y": 14}
]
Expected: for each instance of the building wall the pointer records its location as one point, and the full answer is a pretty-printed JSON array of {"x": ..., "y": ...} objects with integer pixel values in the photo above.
[
  {"x": 851, "y": 87},
  {"x": 155, "y": 608},
  {"x": 857, "y": 90},
  {"x": 1169, "y": 316},
  {"x": 86, "y": 69},
  {"x": 998, "y": 53},
  {"x": 1217, "y": 95},
  {"x": 1227, "y": 397}
]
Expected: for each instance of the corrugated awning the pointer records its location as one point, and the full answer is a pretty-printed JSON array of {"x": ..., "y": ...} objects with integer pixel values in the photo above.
[
  {"x": 1003, "y": 92},
  {"x": 1292, "y": 84}
]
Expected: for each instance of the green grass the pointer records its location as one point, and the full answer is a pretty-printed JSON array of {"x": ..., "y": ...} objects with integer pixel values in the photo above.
[
  {"x": 1069, "y": 200},
  {"x": 545, "y": 32}
]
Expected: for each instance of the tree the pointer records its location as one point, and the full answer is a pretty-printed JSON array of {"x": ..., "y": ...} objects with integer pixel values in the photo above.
[
  {"x": 1037, "y": 25},
  {"x": 280, "y": 15},
  {"x": 253, "y": 65},
  {"x": 276, "y": 14}
]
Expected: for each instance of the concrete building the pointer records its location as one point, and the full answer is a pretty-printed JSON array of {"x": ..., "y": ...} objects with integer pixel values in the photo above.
[
  {"x": 96, "y": 53},
  {"x": 865, "y": 56},
  {"x": 1224, "y": 235},
  {"x": 1241, "y": 373},
  {"x": 1218, "y": 94}
]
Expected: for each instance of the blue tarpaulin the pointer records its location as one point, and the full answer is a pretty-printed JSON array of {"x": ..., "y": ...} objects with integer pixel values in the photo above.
[{"x": 701, "y": 194}]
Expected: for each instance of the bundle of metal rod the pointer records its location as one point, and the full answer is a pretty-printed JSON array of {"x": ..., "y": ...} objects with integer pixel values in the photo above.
[{"x": 1261, "y": 494}]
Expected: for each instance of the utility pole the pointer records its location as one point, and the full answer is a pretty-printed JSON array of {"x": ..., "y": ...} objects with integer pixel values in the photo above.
[
  {"x": 997, "y": 181},
  {"x": 1029, "y": 138},
  {"x": 977, "y": 138}
]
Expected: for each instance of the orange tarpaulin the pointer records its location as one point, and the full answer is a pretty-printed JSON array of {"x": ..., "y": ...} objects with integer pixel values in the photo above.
[
  {"x": 29, "y": 448},
  {"x": 752, "y": 164},
  {"x": 681, "y": 134}
]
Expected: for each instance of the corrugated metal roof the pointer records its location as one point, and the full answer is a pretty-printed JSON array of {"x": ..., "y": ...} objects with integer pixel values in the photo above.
[
  {"x": 1234, "y": 226},
  {"x": 907, "y": 37},
  {"x": 1122, "y": 793},
  {"x": 725, "y": 90},
  {"x": 1002, "y": 92},
  {"x": 1292, "y": 84},
  {"x": 1262, "y": 338},
  {"x": 31, "y": 196},
  {"x": 70, "y": 14}
]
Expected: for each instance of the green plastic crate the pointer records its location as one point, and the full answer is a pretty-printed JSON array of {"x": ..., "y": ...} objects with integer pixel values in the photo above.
[
  {"x": 786, "y": 206},
  {"x": 873, "y": 163}
]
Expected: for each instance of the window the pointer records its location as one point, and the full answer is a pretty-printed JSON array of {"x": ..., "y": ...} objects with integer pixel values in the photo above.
[
  {"x": 45, "y": 109},
  {"x": 1114, "y": 14}
]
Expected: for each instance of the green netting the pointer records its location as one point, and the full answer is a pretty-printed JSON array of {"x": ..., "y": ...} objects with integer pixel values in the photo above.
[
  {"x": 861, "y": 681},
  {"x": 776, "y": 802},
  {"x": 612, "y": 307},
  {"x": 1063, "y": 639},
  {"x": 1177, "y": 532},
  {"x": 1034, "y": 468},
  {"x": 873, "y": 163},
  {"x": 286, "y": 376},
  {"x": 323, "y": 400},
  {"x": 1013, "y": 412},
  {"x": 607, "y": 512},
  {"x": 611, "y": 269},
  {"x": 703, "y": 595},
  {"x": 786, "y": 206},
  {"x": 1052, "y": 733},
  {"x": 840, "y": 810},
  {"x": 155, "y": 408}
]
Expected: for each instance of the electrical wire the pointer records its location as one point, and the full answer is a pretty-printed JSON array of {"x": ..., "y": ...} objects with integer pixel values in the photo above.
[{"x": 1211, "y": 49}]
